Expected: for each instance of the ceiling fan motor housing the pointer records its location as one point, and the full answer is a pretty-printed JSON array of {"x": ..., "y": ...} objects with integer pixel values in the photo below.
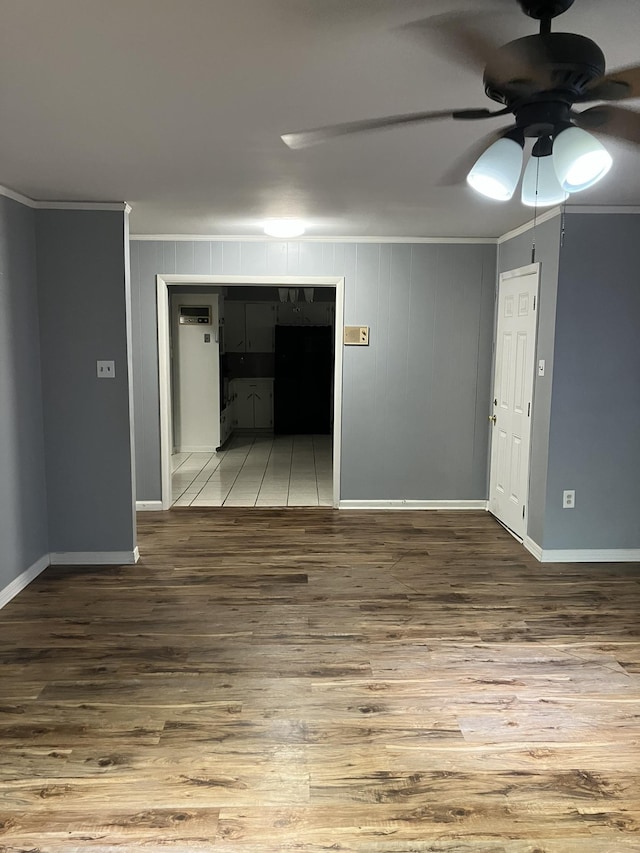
[
  {"x": 566, "y": 62},
  {"x": 542, "y": 9}
]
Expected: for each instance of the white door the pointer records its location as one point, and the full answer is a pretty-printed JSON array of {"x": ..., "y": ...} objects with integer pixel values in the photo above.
[{"x": 512, "y": 397}]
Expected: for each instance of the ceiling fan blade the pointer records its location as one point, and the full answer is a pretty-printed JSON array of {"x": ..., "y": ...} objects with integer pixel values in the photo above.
[
  {"x": 613, "y": 121},
  {"x": 453, "y": 36},
  {"x": 617, "y": 86},
  {"x": 457, "y": 172},
  {"x": 306, "y": 138}
]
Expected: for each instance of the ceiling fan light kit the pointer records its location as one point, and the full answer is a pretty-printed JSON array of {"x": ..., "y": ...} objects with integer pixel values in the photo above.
[
  {"x": 539, "y": 79},
  {"x": 580, "y": 160},
  {"x": 576, "y": 162},
  {"x": 496, "y": 172},
  {"x": 540, "y": 184}
]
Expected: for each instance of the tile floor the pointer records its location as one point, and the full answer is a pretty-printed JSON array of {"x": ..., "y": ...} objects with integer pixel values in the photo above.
[{"x": 257, "y": 470}]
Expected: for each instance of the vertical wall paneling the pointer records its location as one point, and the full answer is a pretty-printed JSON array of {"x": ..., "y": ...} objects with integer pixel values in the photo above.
[
  {"x": 276, "y": 258},
  {"x": 169, "y": 256},
  {"x": 231, "y": 253},
  {"x": 428, "y": 307},
  {"x": 185, "y": 256},
  {"x": 202, "y": 256}
]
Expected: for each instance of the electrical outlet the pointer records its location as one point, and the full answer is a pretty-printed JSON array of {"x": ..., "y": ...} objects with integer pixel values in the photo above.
[
  {"x": 568, "y": 499},
  {"x": 106, "y": 369}
]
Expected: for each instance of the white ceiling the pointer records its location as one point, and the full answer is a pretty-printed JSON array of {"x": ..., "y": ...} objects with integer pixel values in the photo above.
[{"x": 177, "y": 106}]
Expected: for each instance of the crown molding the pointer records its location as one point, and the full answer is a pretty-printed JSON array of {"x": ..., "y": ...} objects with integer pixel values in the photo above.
[
  {"x": 16, "y": 196},
  {"x": 527, "y": 226},
  {"x": 254, "y": 238},
  {"x": 119, "y": 206},
  {"x": 36, "y": 204},
  {"x": 603, "y": 209},
  {"x": 600, "y": 209}
]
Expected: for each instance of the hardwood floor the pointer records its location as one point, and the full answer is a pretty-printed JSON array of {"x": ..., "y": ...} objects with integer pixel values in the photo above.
[{"x": 310, "y": 680}]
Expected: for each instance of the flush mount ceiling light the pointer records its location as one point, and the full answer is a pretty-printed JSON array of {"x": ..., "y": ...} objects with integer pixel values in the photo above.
[
  {"x": 543, "y": 82},
  {"x": 284, "y": 228}
]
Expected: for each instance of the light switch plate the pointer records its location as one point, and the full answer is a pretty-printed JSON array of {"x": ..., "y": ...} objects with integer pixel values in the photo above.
[
  {"x": 541, "y": 367},
  {"x": 356, "y": 336},
  {"x": 106, "y": 369}
]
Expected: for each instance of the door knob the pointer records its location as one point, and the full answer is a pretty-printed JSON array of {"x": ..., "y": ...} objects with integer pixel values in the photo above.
[{"x": 492, "y": 418}]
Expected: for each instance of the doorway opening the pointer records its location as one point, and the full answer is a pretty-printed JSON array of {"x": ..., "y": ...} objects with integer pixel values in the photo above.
[{"x": 250, "y": 378}]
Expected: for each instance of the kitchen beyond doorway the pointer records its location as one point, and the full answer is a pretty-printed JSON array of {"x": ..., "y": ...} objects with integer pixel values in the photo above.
[{"x": 256, "y": 470}]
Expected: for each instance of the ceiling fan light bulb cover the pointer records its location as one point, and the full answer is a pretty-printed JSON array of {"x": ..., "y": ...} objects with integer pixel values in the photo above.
[
  {"x": 540, "y": 186},
  {"x": 579, "y": 159},
  {"x": 496, "y": 172}
]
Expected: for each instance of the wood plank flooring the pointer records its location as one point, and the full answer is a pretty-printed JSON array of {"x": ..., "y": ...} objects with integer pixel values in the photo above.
[{"x": 310, "y": 680}]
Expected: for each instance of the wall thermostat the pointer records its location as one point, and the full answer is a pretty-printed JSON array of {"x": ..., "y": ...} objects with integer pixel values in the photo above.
[{"x": 356, "y": 336}]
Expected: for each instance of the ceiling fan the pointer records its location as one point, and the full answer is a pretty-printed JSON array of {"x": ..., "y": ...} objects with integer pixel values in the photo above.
[{"x": 538, "y": 79}]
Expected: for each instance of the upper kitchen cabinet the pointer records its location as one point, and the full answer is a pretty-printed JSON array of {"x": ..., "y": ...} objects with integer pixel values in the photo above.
[
  {"x": 260, "y": 318},
  {"x": 235, "y": 333},
  {"x": 249, "y": 326},
  {"x": 305, "y": 314}
]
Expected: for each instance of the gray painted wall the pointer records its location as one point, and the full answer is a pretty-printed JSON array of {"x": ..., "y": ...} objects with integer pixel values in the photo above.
[
  {"x": 23, "y": 501},
  {"x": 83, "y": 307},
  {"x": 415, "y": 401},
  {"x": 513, "y": 254},
  {"x": 595, "y": 413}
]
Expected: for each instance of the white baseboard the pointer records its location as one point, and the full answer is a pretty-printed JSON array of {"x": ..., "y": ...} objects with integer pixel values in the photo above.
[
  {"x": 409, "y": 504},
  {"x": 583, "y": 555},
  {"x": 149, "y": 506},
  {"x": 23, "y": 580},
  {"x": 95, "y": 558},
  {"x": 189, "y": 448},
  {"x": 533, "y": 548}
]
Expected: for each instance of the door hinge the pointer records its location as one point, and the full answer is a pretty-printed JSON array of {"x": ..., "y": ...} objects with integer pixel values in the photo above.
[
  {"x": 534, "y": 303},
  {"x": 529, "y": 411},
  {"x": 523, "y": 510}
]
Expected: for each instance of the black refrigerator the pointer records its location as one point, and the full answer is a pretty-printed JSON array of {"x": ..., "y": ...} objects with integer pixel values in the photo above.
[{"x": 303, "y": 381}]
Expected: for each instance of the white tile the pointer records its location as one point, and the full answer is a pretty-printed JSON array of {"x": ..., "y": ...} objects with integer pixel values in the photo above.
[
  {"x": 259, "y": 470},
  {"x": 239, "y": 502}
]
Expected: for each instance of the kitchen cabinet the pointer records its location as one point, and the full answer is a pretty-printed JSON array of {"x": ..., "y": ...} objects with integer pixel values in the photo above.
[
  {"x": 260, "y": 319},
  {"x": 253, "y": 403},
  {"x": 249, "y": 326},
  {"x": 235, "y": 335},
  {"x": 305, "y": 314},
  {"x": 226, "y": 423}
]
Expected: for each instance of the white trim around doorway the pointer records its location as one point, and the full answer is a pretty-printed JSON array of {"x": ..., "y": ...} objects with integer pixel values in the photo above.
[{"x": 164, "y": 369}]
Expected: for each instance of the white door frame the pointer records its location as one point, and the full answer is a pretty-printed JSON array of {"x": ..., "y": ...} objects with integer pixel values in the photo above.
[
  {"x": 164, "y": 365},
  {"x": 506, "y": 276}
]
